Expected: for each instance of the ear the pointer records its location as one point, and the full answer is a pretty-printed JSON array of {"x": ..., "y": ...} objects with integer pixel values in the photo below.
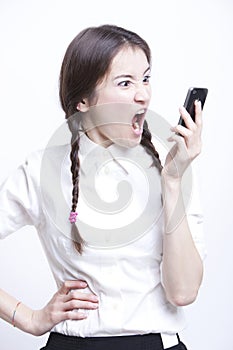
[{"x": 83, "y": 106}]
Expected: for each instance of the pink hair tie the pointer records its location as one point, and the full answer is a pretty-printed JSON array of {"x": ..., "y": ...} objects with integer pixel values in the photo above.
[{"x": 73, "y": 216}]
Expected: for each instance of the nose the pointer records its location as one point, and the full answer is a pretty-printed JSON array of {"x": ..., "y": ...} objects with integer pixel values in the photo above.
[{"x": 142, "y": 93}]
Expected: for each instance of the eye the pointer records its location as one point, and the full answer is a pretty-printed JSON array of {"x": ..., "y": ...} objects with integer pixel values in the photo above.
[
  {"x": 146, "y": 79},
  {"x": 125, "y": 83}
]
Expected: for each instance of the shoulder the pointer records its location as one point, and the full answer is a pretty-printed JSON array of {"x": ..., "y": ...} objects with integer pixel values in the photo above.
[
  {"x": 40, "y": 161},
  {"x": 54, "y": 154}
]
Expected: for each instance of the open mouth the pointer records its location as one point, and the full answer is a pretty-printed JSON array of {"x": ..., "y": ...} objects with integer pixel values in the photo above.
[{"x": 137, "y": 122}]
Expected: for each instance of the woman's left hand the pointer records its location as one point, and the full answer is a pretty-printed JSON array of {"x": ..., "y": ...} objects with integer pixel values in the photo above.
[{"x": 186, "y": 148}]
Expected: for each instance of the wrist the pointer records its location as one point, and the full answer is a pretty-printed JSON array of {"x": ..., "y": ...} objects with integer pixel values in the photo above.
[
  {"x": 170, "y": 182},
  {"x": 21, "y": 317},
  {"x": 172, "y": 203},
  {"x": 28, "y": 320},
  {"x": 40, "y": 323}
]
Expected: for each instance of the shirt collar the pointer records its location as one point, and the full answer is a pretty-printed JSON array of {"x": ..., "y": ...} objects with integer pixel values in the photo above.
[
  {"x": 86, "y": 145},
  {"x": 93, "y": 156}
]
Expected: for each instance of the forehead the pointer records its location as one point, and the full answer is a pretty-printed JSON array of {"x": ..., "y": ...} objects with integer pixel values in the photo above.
[{"x": 129, "y": 60}]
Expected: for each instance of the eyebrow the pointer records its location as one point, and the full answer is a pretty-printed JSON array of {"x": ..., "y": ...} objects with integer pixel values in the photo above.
[{"x": 130, "y": 76}]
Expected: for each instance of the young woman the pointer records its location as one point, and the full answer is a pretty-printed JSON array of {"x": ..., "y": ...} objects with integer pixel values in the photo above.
[{"x": 122, "y": 277}]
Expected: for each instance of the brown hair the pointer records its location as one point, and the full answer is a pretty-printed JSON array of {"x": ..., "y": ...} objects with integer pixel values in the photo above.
[{"x": 86, "y": 62}]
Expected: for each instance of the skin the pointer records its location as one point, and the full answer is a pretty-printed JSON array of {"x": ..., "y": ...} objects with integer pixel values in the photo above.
[
  {"x": 124, "y": 91},
  {"x": 61, "y": 307},
  {"x": 127, "y": 85}
]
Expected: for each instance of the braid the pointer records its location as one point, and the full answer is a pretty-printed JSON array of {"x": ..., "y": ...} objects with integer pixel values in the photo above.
[
  {"x": 75, "y": 164},
  {"x": 149, "y": 147},
  {"x": 75, "y": 173}
]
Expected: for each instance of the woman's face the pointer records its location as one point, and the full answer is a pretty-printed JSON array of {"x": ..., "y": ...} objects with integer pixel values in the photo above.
[{"x": 121, "y": 101}]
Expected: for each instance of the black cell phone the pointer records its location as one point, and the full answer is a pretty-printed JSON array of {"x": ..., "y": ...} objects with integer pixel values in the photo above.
[{"x": 193, "y": 94}]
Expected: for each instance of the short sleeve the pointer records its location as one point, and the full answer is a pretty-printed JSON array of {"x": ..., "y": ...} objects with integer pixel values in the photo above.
[{"x": 20, "y": 197}]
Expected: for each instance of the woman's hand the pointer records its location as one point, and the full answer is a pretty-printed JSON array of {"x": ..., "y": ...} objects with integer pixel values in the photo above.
[
  {"x": 186, "y": 148},
  {"x": 64, "y": 305}
]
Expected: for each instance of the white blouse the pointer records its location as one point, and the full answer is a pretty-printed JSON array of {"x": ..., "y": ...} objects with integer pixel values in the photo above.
[{"x": 120, "y": 216}]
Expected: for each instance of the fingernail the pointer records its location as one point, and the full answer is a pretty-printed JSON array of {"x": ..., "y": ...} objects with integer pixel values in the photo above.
[{"x": 83, "y": 284}]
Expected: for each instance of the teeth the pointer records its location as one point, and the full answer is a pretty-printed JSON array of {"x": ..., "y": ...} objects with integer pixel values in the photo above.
[{"x": 141, "y": 111}]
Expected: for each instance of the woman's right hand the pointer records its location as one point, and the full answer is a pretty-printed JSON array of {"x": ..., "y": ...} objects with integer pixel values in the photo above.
[{"x": 63, "y": 306}]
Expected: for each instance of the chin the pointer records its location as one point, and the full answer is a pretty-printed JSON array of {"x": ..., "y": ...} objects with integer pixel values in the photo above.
[{"x": 128, "y": 142}]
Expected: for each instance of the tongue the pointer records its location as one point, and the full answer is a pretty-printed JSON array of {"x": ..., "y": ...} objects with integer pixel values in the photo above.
[{"x": 136, "y": 128}]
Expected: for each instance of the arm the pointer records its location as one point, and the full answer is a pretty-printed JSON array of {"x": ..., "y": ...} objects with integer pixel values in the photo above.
[
  {"x": 182, "y": 267},
  {"x": 62, "y": 306}
]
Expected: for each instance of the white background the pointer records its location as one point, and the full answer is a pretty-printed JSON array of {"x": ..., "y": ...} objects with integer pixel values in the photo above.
[{"x": 191, "y": 42}]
